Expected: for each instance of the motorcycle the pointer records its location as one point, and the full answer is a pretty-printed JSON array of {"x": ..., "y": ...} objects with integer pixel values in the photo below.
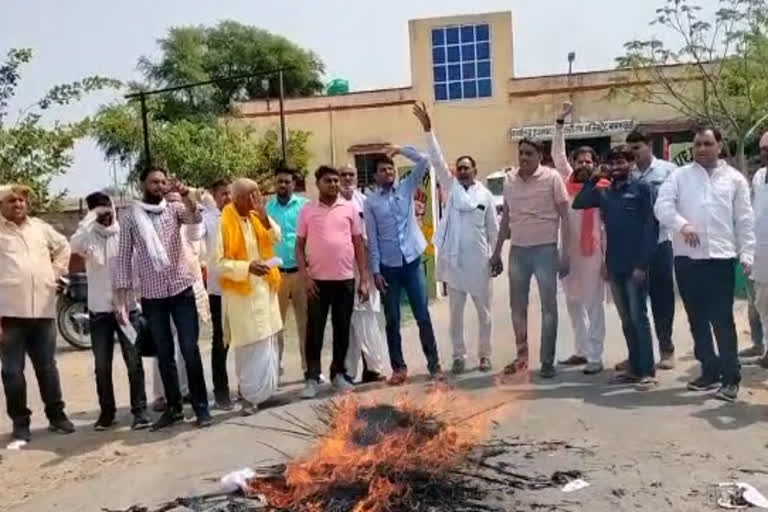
[{"x": 72, "y": 316}]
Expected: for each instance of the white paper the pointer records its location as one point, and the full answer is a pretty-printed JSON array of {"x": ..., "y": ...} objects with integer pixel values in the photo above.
[
  {"x": 273, "y": 262},
  {"x": 575, "y": 485},
  {"x": 236, "y": 480},
  {"x": 749, "y": 493},
  {"x": 16, "y": 445}
]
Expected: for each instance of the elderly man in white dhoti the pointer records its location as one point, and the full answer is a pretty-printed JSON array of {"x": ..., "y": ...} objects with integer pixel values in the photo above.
[
  {"x": 464, "y": 239},
  {"x": 365, "y": 336},
  {"x": 250, "y": 280}
]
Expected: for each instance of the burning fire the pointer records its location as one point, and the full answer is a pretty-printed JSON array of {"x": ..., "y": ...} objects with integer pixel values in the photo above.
[{"x": 374, "y": 454}]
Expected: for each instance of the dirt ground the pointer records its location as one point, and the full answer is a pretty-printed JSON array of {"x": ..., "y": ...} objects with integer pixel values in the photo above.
[{"x": 660, "y": 450}]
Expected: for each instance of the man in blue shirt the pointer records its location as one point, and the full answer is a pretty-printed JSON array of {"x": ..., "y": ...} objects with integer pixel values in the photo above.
[
  {"x": 654, "y": 171},
  {"x": 632, "y": 236},
  {"x": 284, "y": 209},
  {"x": 395, "y": 248}
]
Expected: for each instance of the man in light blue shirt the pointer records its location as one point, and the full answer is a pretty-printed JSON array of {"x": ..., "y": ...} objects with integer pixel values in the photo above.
[
  {"x": 396, "y": 244},
  {"x": 655, "y": 171},
  {"x": 284, "y": 209}
]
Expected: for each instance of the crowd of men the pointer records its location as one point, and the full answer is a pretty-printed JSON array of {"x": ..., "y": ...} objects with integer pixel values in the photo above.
[{"x": 627, "y": 225}]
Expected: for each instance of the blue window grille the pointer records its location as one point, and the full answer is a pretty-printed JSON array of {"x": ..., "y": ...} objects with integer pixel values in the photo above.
[{"x": 461, "y": 62}]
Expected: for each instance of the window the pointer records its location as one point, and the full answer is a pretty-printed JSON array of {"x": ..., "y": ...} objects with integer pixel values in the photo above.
[
  {"x": 366, "y": 170},
  {"x": 461, "y": 62}
]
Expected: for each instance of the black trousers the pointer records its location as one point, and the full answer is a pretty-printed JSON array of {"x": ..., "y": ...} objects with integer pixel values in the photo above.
[
  {"x": 662, "y": 293},
  {"x": 35, "y": 337},
  {"x": 218, "y": 352},
  {"x": 183, "y": 309},
  {"x": 339, "y": 297},
  {"x": 104, "y": 329},
  {"x": 707, "y": 287}
]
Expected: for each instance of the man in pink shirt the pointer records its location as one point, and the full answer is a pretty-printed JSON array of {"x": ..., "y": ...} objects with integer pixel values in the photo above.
[{"x": 329, "y": 243}]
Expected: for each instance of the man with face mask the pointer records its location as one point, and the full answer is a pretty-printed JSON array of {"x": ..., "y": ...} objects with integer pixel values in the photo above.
[
  {"x": 584, "y": 285},
  {"x": 96, "y": 240},
  {"x": 464, "y": 239},
  {"x": 536, "y": 209},
  {"x": 32, "y": 258},
  {"x": 706, "y": 205},
  {"x": 631, "y": 236}
]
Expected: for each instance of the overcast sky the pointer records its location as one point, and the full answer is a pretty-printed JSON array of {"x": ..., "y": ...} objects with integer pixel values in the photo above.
[{"x": 364, "y": 42}]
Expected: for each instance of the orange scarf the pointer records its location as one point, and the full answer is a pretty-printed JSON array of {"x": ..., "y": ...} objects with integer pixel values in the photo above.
[
  {"x": 235, "y": 249},
  {"x": 588, "y": 242}
]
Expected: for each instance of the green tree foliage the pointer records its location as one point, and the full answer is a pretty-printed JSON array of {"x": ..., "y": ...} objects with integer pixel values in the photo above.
[
  {"x": 32, "y": 152},
  {"x": 720, "y": 72},
  {"x": 186, "y": 133}
]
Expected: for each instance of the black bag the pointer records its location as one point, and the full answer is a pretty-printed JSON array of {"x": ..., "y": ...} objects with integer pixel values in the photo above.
[{"x": 145, "y": 343}]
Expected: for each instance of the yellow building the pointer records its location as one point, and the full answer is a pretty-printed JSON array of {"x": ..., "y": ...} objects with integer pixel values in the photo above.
[{"x": 462, "y": 68}]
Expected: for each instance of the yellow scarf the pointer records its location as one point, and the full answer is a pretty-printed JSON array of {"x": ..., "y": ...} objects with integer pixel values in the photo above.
[{"x": 235, "y": 249}]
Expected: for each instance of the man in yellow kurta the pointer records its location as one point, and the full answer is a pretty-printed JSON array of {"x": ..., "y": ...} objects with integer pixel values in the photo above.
[{"x": 250, "y": 281}]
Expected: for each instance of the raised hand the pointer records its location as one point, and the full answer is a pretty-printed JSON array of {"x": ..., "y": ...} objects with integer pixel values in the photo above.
[
  {"x": 391, "y": 150},
  {"x": 420, "y": 111},
  {"x": 565, "y": 110}
]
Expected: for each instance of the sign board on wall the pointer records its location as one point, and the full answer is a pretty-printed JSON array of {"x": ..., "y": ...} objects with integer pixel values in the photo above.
[
  {"x": 681, "y": 153},
  {"x": 582, "y": 129}
]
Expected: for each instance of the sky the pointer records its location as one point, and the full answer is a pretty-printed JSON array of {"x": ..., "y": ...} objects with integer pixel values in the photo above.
[{"x": 364, "y": 42}]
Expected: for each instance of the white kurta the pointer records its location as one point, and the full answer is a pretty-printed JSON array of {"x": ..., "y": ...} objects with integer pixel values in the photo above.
[
  {"x": 251, "y": 322},
  {"x": 760, "y": 267},
  {"x": 365, "y": 335}
]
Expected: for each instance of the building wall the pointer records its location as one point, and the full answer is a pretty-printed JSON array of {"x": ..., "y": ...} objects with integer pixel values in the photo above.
[{"x": 342, "y": 124}]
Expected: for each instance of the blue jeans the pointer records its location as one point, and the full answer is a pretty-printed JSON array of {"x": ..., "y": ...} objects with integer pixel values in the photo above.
[
  {"x": 661, "y": 289},
  {"x": 409, "y": 277},
  {"x": 631, "y": 301},
  {"x": 183, "y": 309},
  {"x": 525, "y": 262}
]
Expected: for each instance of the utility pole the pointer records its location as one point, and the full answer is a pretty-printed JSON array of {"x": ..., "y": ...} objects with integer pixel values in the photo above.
[{"x": 283, "y": 138}]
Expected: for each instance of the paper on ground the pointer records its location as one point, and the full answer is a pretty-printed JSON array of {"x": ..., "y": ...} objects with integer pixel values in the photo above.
[
  {"x": 575, "y": 485},
  {"x": 748, "y": 492},
  {"x": 16, "y": 445},
  {"x": 236, "y": 480}
]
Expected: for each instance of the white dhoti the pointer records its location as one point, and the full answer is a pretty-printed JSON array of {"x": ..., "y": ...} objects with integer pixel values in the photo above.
[
  {"x": 365, "y": 338},
  {"x": 588, "y": 322},
  {"x": 258, "y": 369},
  {"x": 457, "y": 300}
]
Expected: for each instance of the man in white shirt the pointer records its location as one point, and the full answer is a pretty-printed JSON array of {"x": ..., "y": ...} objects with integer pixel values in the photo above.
[
  {"x": 221, "y": 191},
  {"x": 655, "y": 171},
  {"x": 96, "y": 240},
  {"x": 706, "y": 206},
  {"x": 465, "y": 239},
  {"x": 760, "y": 268}
]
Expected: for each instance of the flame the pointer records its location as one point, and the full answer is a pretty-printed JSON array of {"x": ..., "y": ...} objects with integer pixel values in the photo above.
[{"x": 434, "y": 442}]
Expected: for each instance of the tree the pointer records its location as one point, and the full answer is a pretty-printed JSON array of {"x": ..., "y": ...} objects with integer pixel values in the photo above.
[
  {"x": 187, "y": 131},
  {"x": 30, "y": 152},
  {"x": 716, "y": 71}
]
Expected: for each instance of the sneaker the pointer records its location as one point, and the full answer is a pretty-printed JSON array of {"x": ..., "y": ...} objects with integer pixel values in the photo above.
[
  {"x": 622, "y": 366},
  {"x": 398, "y": 378},
  {"x": 61, "y": 425},
  {"x": 310, "y": 389},
  {"x": 752, "y": 351},
  {"x": 646, "y": 384},
  {"x": 485, "y": 364},
  {"x": 728, "y": 393},
  {"x": 140, "y": 422},
  {"x": 322, "y": 379},
  {"x": 547, "y": 371},
  {"x": 593, "y": 368},
  {"x": 369, "y": 377},
  {"x": 105, "y": 422},
  {"x": 459, "y": 366},
  {"x": 341, "y": 384},
  {"x": 21, "y": 432},
  {"x": 168, "y": 418},
  {"x": 204, "y": 420},
  {"x": 517, "y": 366},
  {"x": 667, "y": 361},
  {"x": 159, "y": 405},
  {"x": 223, "y": 404},
  {"x": 574, "y": 361},
  {"x": 704, "y": 384}
]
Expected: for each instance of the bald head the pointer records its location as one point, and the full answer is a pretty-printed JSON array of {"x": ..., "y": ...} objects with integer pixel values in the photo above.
[{"x": 245, "y": 195}]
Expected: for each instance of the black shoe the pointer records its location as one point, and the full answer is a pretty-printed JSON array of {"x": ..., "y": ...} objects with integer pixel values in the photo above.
[
  {"x": 21, "y": 432},
  {"x": 369, "y": 377},
  {"x": 728, "y": 393},
  {"x": 548, "y": 371},
  {"x": 105, "y": 422},
  {"x": 223, "y": 404},
  {"x": 704, "y": 383},
  {"x": 61, "y": 425},
  {"x": 168, "y": 418},
  {"x": 140, "y": 421},
  {"x": 204, "y": 420},
  {"x": 752, "y": 351}
]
